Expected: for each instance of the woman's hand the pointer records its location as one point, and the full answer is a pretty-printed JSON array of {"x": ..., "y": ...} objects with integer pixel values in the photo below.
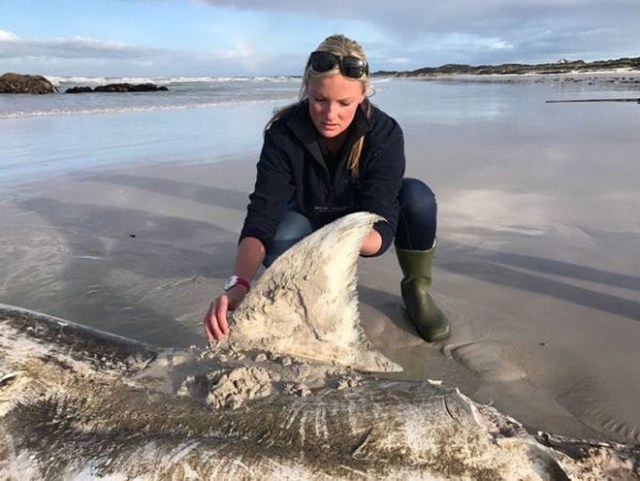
[
  {"x": 250, "y": 255},
  {"x": 216, "y": 323}
]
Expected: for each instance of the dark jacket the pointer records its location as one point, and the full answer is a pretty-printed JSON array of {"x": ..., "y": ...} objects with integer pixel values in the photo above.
[{"x": 293, "y": 173}]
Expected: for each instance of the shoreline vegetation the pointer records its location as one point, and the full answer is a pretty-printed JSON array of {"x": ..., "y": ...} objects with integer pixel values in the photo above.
[{"x": 626, "y": 64}]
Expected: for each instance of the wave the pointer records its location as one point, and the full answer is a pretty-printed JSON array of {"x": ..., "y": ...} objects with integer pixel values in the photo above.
[
  {"x": 57, "y": 80},
  {"x": 128, "y": 108}
]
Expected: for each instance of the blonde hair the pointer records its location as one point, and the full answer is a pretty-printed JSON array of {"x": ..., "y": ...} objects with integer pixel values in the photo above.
[{"x": 341, "y": 46}]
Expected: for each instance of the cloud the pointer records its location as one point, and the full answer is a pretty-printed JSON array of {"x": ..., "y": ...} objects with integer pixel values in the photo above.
[
  {"x": 12, "y": 46},
  {"x": 424, "y": 17},
  {"x": 7, "y": 36},
  {"x": 81, "y": 55},
  {"x": 481, "y": 30}
]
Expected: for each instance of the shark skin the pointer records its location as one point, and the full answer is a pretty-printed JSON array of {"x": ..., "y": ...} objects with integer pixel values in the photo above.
[
  {"x": 77, "y": 403},
  {"x": 306, "y": 303}
]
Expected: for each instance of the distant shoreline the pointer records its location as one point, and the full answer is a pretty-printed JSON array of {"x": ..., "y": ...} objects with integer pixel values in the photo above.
[
  {"x": 561, "y": 67},
  {"x": 612, "y": 77}
]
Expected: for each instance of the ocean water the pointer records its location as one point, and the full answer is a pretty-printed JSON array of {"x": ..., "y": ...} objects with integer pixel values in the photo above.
[
  {"x": 210, "y": 119},
  {"x": 197, "y": 120}
]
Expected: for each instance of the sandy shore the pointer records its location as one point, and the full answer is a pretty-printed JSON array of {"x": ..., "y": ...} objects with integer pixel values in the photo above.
[
  {"x": 622, "y": 76},
  {"x": 545, "y": 311}
]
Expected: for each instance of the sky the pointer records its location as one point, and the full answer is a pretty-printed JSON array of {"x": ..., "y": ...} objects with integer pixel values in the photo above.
[{"x": 166, "y": 38}]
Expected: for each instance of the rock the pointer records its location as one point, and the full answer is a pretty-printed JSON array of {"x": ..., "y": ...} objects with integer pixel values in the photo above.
[
  {"x": 13, "y": 83},
  {"x": 78, "y": 90},
  {"x": 126, "y": 87},
  {"x": 148, "y": 87},
  {"x": 118, "y": 88}
]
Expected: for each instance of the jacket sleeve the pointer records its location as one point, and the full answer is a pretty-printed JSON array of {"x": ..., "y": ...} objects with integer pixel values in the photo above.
[
  {"x": 273, "y": 190},
  {"x": 382, "y": 180}
]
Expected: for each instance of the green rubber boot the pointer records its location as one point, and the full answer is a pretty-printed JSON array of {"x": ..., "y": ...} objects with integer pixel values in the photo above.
[{"x": 429, "y": 320}]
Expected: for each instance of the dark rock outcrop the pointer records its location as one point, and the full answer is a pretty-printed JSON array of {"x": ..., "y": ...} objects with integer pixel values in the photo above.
[
  {"x": 13, "y": 83},
  {"x": 78, "y": 90},
  {"x": 118, "y": 87},
  {"x": 126, "y": 87}
]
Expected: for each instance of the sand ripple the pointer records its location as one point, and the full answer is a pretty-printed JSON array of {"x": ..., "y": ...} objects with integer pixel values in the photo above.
[
  {"x": 485, "y": 358},
  {"x": 601, "y": 411}
]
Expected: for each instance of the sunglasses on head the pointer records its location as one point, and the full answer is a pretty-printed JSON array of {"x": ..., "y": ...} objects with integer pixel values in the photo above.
[{"x": 352, "y": 67}]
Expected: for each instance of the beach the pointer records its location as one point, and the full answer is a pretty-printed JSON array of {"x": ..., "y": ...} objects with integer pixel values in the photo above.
[{"x": 538, "y": 257}]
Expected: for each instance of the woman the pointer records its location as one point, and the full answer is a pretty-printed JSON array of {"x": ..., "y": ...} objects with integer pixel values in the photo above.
[{"x": 330, "y": 154}]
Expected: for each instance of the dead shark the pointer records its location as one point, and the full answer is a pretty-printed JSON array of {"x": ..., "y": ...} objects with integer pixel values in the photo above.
[{"x": 290, "y": 395}]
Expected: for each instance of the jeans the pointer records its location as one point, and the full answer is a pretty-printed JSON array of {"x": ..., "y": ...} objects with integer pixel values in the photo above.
[
  {"x": 294, "y": 227},
  {"x": 418, "y": 216},
  {"x": 416, "y": 225}
]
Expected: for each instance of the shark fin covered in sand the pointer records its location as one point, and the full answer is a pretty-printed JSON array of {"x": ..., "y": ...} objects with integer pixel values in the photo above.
[
  {"x": 306, "y": 303},
  {"x": 76, "y": 403}
]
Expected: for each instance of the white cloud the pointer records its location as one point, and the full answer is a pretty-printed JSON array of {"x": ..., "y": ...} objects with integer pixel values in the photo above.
[
  {"x": 242, "y": 50},
  {"x": 77, "y": 47},
  {"x": 90, "y": 56},
  {"x": 469, "y": 42},
  {"x": 7, "y": 36}
]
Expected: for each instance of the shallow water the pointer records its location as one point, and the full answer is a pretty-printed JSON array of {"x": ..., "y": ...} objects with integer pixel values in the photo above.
[
  {"x": 193, "y": 122},
  {"x": 213, "y": 119}
]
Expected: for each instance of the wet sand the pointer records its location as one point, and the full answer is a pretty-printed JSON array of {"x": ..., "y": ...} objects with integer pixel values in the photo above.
[
  {"x": 546, "y": 316},
  {"x": 538, "y": 262}
]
